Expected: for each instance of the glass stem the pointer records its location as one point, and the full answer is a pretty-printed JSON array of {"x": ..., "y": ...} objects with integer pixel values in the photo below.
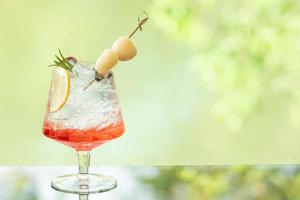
[
  {"x": 83, "y": 197},
  {"x": 83, "y": 161}
]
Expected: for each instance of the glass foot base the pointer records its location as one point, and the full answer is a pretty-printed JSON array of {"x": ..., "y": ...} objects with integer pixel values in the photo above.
[{"x": 84, "y": 183}]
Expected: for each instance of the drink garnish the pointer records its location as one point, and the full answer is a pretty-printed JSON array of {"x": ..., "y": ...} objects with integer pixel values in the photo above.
[
  {"x": 60, "y": 84},
  {"x": 123, "y": 49},
  {"x": 63, "y": 62},
  {"x": 106, "y": 61},
  {"x": 60, "y": 88}
]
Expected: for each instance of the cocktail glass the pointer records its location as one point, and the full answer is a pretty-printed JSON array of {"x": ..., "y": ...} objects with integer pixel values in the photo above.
[{"x": 88, "y": 119}]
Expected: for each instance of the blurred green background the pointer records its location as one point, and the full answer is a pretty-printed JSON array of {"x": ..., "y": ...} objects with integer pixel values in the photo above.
[{"x": 214, "y": 82}]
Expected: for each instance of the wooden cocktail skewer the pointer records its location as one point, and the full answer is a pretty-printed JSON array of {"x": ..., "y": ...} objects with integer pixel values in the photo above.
[
  {"x": 140, "y": 22},
  {"x": 123, "y": 49}
]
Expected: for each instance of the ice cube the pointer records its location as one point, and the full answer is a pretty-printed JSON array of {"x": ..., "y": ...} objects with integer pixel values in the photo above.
[{"x": 96, "y": 106}]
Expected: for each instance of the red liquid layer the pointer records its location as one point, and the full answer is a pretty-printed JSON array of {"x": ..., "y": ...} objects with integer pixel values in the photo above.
[{"x": 86, "y": 139}]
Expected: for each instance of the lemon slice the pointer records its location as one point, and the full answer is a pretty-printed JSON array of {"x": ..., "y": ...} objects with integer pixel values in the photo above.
[{"x": 60, "y": 89}]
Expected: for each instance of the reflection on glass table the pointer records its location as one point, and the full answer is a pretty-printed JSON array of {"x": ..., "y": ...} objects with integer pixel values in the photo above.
[{"x": 161, "y": 183}]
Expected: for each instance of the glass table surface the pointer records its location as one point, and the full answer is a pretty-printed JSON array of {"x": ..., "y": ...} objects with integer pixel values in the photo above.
[{"x": 161, "y": 183}]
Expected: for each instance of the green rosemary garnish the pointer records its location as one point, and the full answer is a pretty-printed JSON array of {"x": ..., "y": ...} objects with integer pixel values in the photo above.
[{"x": 62, "y": 62}]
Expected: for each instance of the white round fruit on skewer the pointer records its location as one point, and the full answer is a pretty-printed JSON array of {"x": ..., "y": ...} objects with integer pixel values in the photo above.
[
  {"x": 106, "y": 61},
  {"x": 125, "y": 48}
]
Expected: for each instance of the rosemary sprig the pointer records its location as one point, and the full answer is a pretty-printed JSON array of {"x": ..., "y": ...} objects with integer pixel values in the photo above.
[{"x": 62, "y": 62}]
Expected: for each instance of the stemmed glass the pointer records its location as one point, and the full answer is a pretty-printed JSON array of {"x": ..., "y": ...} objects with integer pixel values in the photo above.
[{"x": 87, "y": 119}]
